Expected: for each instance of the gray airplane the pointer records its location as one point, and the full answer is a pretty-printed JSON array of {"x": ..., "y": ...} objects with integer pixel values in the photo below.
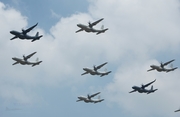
[
  {"x": 90, "y": 28},
  {"x": 24, "y": 60},
  {"x": 142, "y": 88},
  {"x": 23, "y": 34},
  {"x": 94, "y": 70},
  {"x": 89, "y": 99},
  {"x": 161, "y": 67}
]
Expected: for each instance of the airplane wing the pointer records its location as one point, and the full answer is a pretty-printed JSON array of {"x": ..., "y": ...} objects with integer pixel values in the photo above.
[
  {"x": 177, "y": 110},
  {"x": 85, "y": 73},
  {"x": 150, "y": 69},
  {"x": 94, "y": 23},
  {"x": 98, "y": 67},
  {"x": 90, "y": 96},
  {"x": 14, "y": 37},
  {"x": 143, "y": 86},
  {"x": 15, "y": 63},
  {"x": 29, "y": 56},
  {"x": 79, "y": 30},
  {"x": 29, "y": 29},
  {"x": 168, "y": 62},
  {"x": 78, "y": 100},
  {"x": 132, "y": 91},
  {"x": 102, "y": 31}
]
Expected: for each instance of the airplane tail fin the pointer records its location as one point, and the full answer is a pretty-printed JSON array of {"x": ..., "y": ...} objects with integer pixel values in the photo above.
[
  {"x": 37, "y": 37},
  {"x": 37, "y": 34},
  {"x": 172, "y": 69},
  {"x": 99, "y": 99},
  {"x": 152, "y": 90},
  {"x": 105, "y": 74},
  {"x": 37, "y": 62},
  {"x": 102, "y": 31}
]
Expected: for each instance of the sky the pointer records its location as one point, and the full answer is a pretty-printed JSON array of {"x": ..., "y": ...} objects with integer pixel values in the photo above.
[{"x": 141, "y": 33}]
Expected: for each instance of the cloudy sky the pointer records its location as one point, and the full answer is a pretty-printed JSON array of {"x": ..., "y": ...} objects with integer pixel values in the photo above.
[{"x": 141, "y": 33}]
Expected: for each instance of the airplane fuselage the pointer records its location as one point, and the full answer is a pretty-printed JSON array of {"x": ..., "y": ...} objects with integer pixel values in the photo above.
[
  {"x": 23, "y": 36},
  {"x": 90, "y": 29},
  {"x": 82, "y": 98},
  {"x": 93, "y": 72},
  {"x": 142, "y": 90},
  {"x": 160, "y": 69},
  {"x": 23, "y": 62},
  {"x": 84, "y": 27}
]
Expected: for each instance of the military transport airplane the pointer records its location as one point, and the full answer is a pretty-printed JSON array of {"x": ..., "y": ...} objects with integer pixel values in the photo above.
[
  {"x": 161, "y": 67},
  {"x": 88, "y": 98},
  {"x": 24, "y": 60},
  {"x": 94, "y": 70},
  {"x": 90, "y": 28},
  {"x": 177, "y": 110},
  {"x": 142, "y": 88},
  {"x": 23, "y": 34}
]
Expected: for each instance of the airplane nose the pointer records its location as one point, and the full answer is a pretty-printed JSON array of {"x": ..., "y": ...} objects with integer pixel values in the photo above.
[
  {"x": 78, "y": 25},
  {"x": 11, "y": 32}
]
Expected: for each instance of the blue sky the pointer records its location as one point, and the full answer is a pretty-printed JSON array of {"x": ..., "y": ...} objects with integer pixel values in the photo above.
[
  {"x": 141, "y": 33},
  {"x": 43, "y": 11}
]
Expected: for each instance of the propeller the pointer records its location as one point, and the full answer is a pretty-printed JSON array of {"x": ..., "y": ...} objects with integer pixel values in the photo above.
[
  {"x": 23, "y": 31},
  {"x": 24, "y": 57},
  {"x": 95, "y": 69},
  {"x": 162, "y": 66},
  {"x": 142, "y": 85},
  {"x": 89, "y": 97},
  {"x": 90, "y": 25}
]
